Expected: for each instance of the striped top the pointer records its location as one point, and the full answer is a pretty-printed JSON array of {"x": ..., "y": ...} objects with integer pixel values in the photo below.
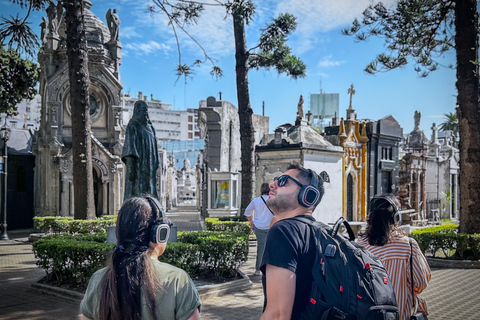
[{"x": 395, "y": 255}]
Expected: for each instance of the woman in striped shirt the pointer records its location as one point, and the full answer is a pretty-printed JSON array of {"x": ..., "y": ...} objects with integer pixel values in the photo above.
[{"x": 391, "y": 245}]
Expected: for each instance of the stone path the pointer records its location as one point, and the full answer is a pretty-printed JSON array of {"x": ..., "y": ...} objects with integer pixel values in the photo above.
[{"x": 452, "y": 294}]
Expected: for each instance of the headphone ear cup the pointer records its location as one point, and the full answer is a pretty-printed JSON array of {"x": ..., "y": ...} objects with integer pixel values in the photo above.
[
  {"x": 159, "y": 232},
  {"x": 308, "y": 196},
  {"x": 396, "y": 217},
  {"x": 301, "y": 196}
]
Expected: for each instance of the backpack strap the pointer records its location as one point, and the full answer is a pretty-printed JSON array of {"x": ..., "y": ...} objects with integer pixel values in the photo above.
[
  {"x": 335, "y": 228},
  {"x": 350, "y": 232},
  {"x": 261, "y": 197},
  {"x": 411, "y": 272}
]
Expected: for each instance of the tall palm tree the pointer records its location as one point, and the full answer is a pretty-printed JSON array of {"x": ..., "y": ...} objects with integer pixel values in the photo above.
[{"x": 450, "y": 123}]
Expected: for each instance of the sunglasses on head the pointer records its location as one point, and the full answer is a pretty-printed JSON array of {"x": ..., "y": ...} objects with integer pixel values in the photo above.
[{"x": 282, "y": 180}]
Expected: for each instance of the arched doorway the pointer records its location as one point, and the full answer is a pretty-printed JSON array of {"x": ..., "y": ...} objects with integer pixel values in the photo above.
[{"x": 350, "y": 197}]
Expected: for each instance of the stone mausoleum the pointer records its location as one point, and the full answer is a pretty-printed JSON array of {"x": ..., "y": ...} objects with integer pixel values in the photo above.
[
  {"x": 220, "y": 127},
  {"x": 302, "y": 143},
  {"x": 53, "y": 177}
]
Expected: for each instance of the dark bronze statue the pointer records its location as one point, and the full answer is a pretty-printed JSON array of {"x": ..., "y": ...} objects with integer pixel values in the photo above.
[{"x": 140, "y": 154}]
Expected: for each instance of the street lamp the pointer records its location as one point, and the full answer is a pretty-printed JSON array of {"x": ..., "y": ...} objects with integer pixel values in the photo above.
[{"x": 5, "y": 135}]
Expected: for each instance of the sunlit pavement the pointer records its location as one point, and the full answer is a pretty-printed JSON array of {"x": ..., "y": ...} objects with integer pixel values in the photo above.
[{"x": 452, "y": 294}]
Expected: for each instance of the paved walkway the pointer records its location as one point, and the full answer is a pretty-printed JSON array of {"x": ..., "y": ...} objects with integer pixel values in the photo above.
[{"x": 452, "y": 294}]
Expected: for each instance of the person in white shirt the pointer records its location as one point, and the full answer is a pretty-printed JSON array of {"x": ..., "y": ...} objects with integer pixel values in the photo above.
[{"x": 260, "y": 217}]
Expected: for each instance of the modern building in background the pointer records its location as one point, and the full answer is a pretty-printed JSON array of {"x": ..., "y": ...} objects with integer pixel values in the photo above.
[
  {"x": 169, "y": 124},
  {"x": 323, "y": 106},
  {"x": 28, "y": 116},
  {"x": 184, "y": 149}
]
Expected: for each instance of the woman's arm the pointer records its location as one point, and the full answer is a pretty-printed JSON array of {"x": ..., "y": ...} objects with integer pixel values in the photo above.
[
  {"x": 421, "y": 270},
  {"x": 195, "y": 315},
  {"x": 82, "y": 317}
]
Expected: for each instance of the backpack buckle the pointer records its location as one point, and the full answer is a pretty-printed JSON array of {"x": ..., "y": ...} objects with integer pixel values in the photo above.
[
  {"x": 335, "y": 313},
  {"x": 330, "y": 250}
]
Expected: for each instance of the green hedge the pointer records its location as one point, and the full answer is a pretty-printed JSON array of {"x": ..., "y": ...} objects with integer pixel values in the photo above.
[
  {"x": 231, "y": 218},
  {"x": 71, "y": 226},
  {"x": 72, "y": 259},
  {"x": 219, "y": 251},
  {"x": 445, "y": 240},
  {"x": 215, "y": 224}
]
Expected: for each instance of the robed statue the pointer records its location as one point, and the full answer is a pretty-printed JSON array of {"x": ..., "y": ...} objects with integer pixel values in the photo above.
[
  {"x": 300, "y": 112},
  {"x": 140, "y": 154},
  {"x": 113, "y": 23}
]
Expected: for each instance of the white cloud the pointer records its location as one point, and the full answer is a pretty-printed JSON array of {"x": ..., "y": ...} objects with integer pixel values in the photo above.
[
  {"x": 213, "y": 32},
  {"x": 328, "y": 62},
  {"x": 316, "y": 17},
  {"x": 129, "y": 32},
  {"x": 147, "y": 48},
  {"x": 323, "y": 75}
]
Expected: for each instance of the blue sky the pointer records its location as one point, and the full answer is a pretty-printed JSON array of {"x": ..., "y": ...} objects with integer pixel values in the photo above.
[{"x": 334, "y": 62}]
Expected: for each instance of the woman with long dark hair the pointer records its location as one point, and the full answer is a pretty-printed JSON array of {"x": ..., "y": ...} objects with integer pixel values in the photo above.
[
  {"x": 136, "y": 285},
  {"x": 392, "y": 246}
]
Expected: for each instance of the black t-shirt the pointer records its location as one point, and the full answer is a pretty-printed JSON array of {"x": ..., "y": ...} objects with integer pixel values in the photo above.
[{"x": 291, "y": 245}]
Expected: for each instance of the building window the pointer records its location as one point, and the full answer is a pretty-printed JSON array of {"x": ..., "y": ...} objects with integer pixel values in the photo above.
[
  {"x": 190, "y": 127},
  {"x": 387, "y": 153},
  {"x": 190, "y": 119},
  {"x": 93, "y": 105},
  {"x": 190, "y": 135},
  {"x": 350, "y": 197}
]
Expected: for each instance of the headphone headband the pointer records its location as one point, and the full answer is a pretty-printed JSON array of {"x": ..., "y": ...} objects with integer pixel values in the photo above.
[
  {"x": 160, "y": 230},
  {"x": 395, "y": 213}
]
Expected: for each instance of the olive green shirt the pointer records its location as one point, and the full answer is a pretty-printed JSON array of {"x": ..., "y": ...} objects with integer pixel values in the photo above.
[{"x": 175, "y": 299}]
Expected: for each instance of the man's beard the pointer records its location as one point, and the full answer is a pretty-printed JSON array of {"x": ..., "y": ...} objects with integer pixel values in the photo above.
[{"x": 280, "y": 204}]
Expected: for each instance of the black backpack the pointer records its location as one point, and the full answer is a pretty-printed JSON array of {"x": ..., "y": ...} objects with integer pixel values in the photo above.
[{"x": 349, "y": 281}]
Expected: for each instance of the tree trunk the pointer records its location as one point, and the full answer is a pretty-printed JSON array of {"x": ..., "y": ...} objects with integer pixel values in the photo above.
[
  {"x": 84, "y": 207},
  {"x": 468, "y": 113},
  {"x": 245, "y": 112}
]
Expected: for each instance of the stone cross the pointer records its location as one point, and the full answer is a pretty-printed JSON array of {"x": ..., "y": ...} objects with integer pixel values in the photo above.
[
  {"x": 309, "y": 114},
  {"x": 351, "y": 91}
]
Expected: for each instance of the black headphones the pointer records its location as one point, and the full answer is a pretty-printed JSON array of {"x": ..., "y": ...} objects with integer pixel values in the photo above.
[
  {"x": 160, "y": 231},
  {"x": 395, "y": 213},
  {"x": 309, "y": 195}
]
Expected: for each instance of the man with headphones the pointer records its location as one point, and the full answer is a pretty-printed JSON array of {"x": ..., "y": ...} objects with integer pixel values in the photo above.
[{"x": 290, "y": 248}]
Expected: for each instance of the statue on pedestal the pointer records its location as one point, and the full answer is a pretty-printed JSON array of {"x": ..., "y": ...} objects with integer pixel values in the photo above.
[
  {"x": 113, "y": 23},
  {"x": 140, "y": 154},
  {"x": 300, "y": 112}
]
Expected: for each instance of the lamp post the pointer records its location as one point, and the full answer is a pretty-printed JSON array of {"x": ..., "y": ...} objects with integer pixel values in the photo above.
[{"x": 5, "y": 135}]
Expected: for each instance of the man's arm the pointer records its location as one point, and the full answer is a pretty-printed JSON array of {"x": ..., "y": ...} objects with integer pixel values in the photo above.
[
  {"x": 248, "y": 213},
  {"x": 280, "y": 293},
  {"x": 195, "y": 315}
]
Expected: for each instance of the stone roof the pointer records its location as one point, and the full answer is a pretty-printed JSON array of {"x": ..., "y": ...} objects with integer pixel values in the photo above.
[
  {"x": 301, "y": 135},
  {"x": 20, "y": 142},
  {"x": 416, "y": 140},
  {"x": 96, "y": 31},
  {"x": 305, "y": 134}
]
